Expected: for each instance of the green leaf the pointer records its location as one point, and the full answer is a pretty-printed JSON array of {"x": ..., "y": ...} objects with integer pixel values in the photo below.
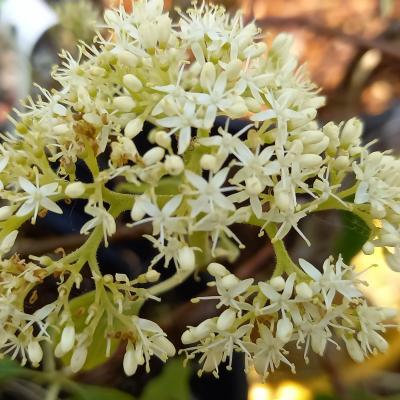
[
  {"x": 11, "y": 369},
  {"x": 171, "y": 384},
  {"x": 91, "y": 392},
  {"x": 354, "y": 234}
]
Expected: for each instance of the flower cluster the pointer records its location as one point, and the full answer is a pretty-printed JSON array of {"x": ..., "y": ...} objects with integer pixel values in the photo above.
[
  {"x": 309, "y": 309},
  {"x": 190, "y": 183}
]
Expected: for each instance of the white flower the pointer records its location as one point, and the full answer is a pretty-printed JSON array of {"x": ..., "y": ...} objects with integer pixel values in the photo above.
[
  {"x": 209, "y": 193},
  {"x": 182, "y": 123},
  {"x": 37, "y": 197},
  {"x": 164, "y": 224},
  {"x": 331, "y": 279},
  {"x": 269, "y": 352},
  {"x": 100, "y": 217}
]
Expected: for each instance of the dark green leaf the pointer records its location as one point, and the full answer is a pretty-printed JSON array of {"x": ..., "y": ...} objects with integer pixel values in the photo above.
[
  {"x": 91, "y": 392},
  {"x": 172, "y": 384},
  {"x": 354, "y": 234},
  {"x": 11, "y": 369}
]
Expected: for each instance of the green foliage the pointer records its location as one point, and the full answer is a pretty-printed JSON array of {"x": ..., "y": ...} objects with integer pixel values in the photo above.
[
  {"x": 91, "y": 392},
  {"x": 10, "y": 369},
  {"x": 354, "y": 234},
  {"x": 172, "y": 384}
]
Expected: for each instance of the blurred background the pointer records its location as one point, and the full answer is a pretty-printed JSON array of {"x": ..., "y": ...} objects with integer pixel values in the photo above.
[{"x": 352, "y": 49}]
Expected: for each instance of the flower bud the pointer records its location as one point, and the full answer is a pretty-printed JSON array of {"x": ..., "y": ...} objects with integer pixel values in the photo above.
[
  {"x": 217, "y": 270},
  {"x": 387, "y": 313},
  {"x": 226, "y": 319},
  {"x": 5, "y": 212},
  {"x": 208, "y": 75},
  {"x": 138, "y": 211},
  {"x": 304, "y": 291},
  {"x": 163, "y": 28},
  {"x": 278, "y": 283},
  {"x": 133, "y": 128},
  {"x": 229, "y": 281},
  {"x": 282, "y": 200},
  {"x": 310, "y": 137},
  {"x": 127, "y": 58},
  {"x": 354, "y": 350},
  {"x": 132, "y": 83},
  {"x": 317, "y": 148},
  {"x": 341, "y": 163},
  {"x": 75, "y": 190},
  {"x": 351, "y": 132},
  {"x": 253, "y": 105},
  {"x": 8, "y": 242},
  {"x": 152, "y": 275},
  {"x": 148, "y": 35},
  {"x": 163, "y": 139},
  {"x": 318, "y": 343},
  {"x": 208, "y": 162},
  {"x": 153, "y": 156},
  {"x": 174, "y": 165},
  {"x": 61, "y": 129},
  {"x": 165, "y": 345},
  {"x": 378, "y": 341},
  {"x": 35, "y": 352},
  {"x": 310, "y": 160},
  {"x": 201, "y": 330},
  {"x": 124, "y": 103},
  {"x": 368, "y": 248},
  {"x": 78, "y": 358},
  {"x": 233, "y": 69},
  {"x": 186, "y": 258},
  {"x": 284, "y": 330},
  {"x": 188, "y": 337},
  {"x": 67, "y": 338},
  {"x": 130, "y": 363}
]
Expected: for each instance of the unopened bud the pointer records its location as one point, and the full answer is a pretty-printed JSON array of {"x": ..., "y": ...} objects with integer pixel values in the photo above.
[
  {"x": 368, "y": 248},
  {"x": 153, "y": 156},
  {"x": 208, "y": 162},
  {"x": 127, "y": 58},
  {"x": 130, "y": 363},
  {"x": 310, "y": 160},
  {"x": 78, "y": 358},
  {"x": 354, "y": 350},
  {"x": 35, "y": 352},
  {"x": 284, "y": 330},
  {"x": 207, "y": 75},
  {"x": 174, "y": 165},
  {"x": 229, "y": 281},
  {"x": 67, "y": 338},
  {"x": 163, "y": 139},
  {"x": 75, "y": 190},
  {"x": 254, "y": 186},
  {"x": 186, "y": 258},
  {"x": 351, "y": 132},
  {"x": 152, "y": 275},
  {"x": 278, "y": 283},
  {"x": 217, "y": 270},
  {"x": 124, "y": 103},
  {"x": 5, "y": 212},
  {"x": 132, "y": 83},
  {"x": 133, "y": 128},
  {"x": 304, "y": 291},
  {"x": 165, "y": 345},
  {"x": 226, "y": 319}
]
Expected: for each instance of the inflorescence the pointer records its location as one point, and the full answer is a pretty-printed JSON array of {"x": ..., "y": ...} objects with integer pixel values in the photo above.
[{"x": 192, "y": 185}]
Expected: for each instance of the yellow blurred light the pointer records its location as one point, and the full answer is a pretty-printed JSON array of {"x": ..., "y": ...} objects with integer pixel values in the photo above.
[
  {"x": 260, "y": 392},
  {"x": 384, "y": 291},
  {"x": 292, "y": 391}
]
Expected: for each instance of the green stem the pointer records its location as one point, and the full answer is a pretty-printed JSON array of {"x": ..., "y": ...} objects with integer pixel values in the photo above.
[
  {"x": 53, "y": 391},
  {"x": 170, "y": 283}
]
